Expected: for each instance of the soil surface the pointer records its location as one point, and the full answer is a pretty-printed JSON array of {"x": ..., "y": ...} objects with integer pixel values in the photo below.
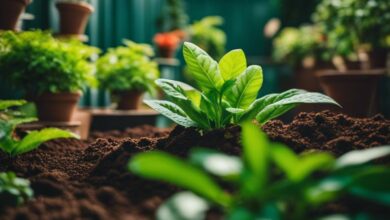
[{"x": 75, "y": 179}]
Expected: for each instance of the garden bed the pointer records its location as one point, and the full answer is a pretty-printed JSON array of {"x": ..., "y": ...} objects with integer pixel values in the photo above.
[{"x": 75, "y": 179}]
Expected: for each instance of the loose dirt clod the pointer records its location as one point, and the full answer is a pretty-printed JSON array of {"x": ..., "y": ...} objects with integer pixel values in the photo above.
[{"x": 75, "y": 179}]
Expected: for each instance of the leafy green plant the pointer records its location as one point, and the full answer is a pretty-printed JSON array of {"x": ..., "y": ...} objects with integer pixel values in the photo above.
[
  {"x": 36, "y": 62},
  {"x": 9, "y": 119},
  {"x": 269, "y": 182},
  {"x": 208, "y": 36},
  {"x": 13, "y": 190},
  {"x": 128, "y": 67},
  {"x": 293, "y": 45},
  {"x": 352, "y": 25},
  {"x": 173, "y": 16},
  {"x": 227, "y": 94}
]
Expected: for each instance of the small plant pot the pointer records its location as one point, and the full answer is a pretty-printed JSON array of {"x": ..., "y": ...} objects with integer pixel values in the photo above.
[
  {"x": 129, "y": 100},
  {"x": 56, "y": 107},
  {"x": 73, "y": 17},
  {"x": 166, "y": 52},
  {"x": 354, "y": 90},
  {"x": 10, "y": 11}
]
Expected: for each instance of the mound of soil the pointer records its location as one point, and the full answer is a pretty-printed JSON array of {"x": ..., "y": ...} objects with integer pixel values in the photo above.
[{"x": 75, "y": 179}]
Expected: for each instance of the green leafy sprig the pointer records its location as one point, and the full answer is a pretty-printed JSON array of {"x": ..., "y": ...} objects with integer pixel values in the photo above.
[{"x": 13, "y": 190}]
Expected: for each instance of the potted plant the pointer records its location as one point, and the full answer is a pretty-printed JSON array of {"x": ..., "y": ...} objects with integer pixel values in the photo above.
[
  {"x": 50, "y": 72},
  {"x": 10, "y": 11},
  {"x": 74, "y": 16},
  {"x": 357, "y": 34},
  {"x": 207, "y": 34},
  {"x": 128, "y": 72},
  {"x": 167, "y": 44},
  {"x": 302, "y": 49}
]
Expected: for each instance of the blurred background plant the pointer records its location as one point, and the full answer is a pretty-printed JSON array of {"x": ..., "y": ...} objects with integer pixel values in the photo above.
[{"x": 173, "y": 16}]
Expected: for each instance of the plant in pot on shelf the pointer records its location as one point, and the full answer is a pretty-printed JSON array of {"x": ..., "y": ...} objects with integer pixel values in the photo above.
[
  {"x": 128, "y": 72},
  {"x": 10, "y": 11},
  {"x": 207, "y": 34},
  {"x": 302, "y": 49},
  {"x": 227, "y": 95},
  {"x": 74, "y": 16},
  {"x": 357, "y": 34},
  {"x": 167, "y": 44},
  {"x": 50, "y": 72}
]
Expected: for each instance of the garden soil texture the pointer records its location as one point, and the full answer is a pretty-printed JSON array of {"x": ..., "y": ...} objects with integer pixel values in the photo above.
[{"x": 75, "y": 179}]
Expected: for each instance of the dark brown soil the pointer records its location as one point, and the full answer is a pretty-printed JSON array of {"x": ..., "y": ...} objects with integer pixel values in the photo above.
[{"x": 73, "y": 179}]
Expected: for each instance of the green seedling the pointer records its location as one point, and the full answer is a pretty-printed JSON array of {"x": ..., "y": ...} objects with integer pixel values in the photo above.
[
  {"x": 9, "y": 119},
  {"x": 227, "y": 95},
  {"x": 13, "y": 190},
  {"x": 270, "y": 181}
]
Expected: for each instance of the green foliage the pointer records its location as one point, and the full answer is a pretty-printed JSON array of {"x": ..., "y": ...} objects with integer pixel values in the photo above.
[
  {"x": 227, "y": 95},
  {"x": 9, "y": 119},
  {"x": 172, "y": 17},
  {"x": 128, "y": 67},
  {"x": 269, "y": 182},
  {"x": 352, "y": 24},
  {"x": 208, "y": 36},
  {"x": 293, "y": 45},
  {"x": 13, "y": 190},
  {"x": 36, "y": 62}
]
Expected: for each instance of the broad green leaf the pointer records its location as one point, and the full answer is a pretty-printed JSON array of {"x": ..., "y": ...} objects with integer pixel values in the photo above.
[
  {"x": 183, "y": 206},
  {"x": 162, "y": 166},
  {"x": 235, "y": 110},
  {"x": 262, "y": 102},
  {"x": 241, "y": 213},
  {"x": 359, "y": 157},
  {"x": 17, "y": 121},
  {"x": 202, "y": 67},
  {"x": 256, "y": 156},
  {"x": 4, "y": 104},
  {"x": 232, "y": 64},
  {"x": 227, "y": 85},
  {"x": 175, "y": 88},
  {"x": 172, "y": 111},
  {"x": 246, "y": 88},
  {"x": 297, "y": 167},
  {"x": 226, "y": 166},
  {"x": 282, "y": 106},
  {"x": 35, "y": 138},
  {"x": 208, "y": 104}
]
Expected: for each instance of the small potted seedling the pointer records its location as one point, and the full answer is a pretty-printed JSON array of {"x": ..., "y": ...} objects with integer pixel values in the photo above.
[
  {"x": 227, "y": 93},
  {"x": 128, "y": 72},
  {"x": 353, "y": 34},
  {"x": 50, "y": 72},
  {"x": 10, "y": 11},
  {"x": 269, "y": 181},
  {"x": 74, "y": 16}
]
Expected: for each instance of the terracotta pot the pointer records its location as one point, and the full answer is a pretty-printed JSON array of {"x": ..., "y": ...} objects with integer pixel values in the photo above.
[
  {"x": 10, "y": 11},
  {"x": 73, "y": 17},
  {"x": 354, "y": 90},
  {"x": 56, "y": 107},
  {"x": 167, "y": 52},
  {"x": 129, "y": 100}
]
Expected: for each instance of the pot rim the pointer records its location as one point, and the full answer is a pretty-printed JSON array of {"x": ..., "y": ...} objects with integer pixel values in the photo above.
[{"x": 84, "y": 5}]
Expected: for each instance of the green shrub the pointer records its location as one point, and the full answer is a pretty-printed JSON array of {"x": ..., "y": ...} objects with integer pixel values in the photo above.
[
  {"x": 13, "y": 190},
  {"x": 36, "y": 62},
  {"x": 9, "y": 119},
  {"x": 128, "y": 67},
  {"x": 268, "y": 182},
  {"x": 227, "y": 95}
]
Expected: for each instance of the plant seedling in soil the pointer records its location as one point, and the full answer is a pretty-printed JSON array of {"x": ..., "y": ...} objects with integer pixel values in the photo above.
[
  {"x": 227, "y": 94},
  {"x": 13, "y": 190},
  {"x": 9, "y": 119},
  {"x": 269, "y": 182}
]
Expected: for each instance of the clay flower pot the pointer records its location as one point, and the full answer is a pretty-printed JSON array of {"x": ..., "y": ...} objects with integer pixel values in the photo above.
[
  {"x": 56, "y": 107},
  {"x": 10, "y": 11},
  {"x": 129, "y": 100},
  {"x": 354, "y": 90},
  {"x": 73, "y": 17},
  {"x": 167, "y": 44},
  {"x": 166, "y": 52}
]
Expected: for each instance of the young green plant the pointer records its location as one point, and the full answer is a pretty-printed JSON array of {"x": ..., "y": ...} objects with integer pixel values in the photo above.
[
  {"x": 13, "y": 190},
  {"x": 227, "y": 95},
  {"x": 268, "y": 182},
  {"x": 9, "y": 119}
]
